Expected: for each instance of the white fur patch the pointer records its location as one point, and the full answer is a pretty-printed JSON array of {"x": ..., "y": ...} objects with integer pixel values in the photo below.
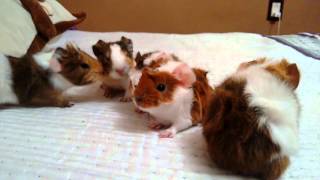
[
  {"x": 279, "y": 104},
  {"x": 134, "y": 76},
  {"x": 43, "y": 59},
  {"x": 59, "y": 82},
  {"x": 119, "y": 61},
  {"x": 177, "y": 112},
  {"x": 7, "y": 95},
  {"x": 170, "y": 66}
]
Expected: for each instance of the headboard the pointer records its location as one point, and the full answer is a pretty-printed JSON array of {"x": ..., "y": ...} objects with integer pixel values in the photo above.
[{"x": 194, "y": 16}]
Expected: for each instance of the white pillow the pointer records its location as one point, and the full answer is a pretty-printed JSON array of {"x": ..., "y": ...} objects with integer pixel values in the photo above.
[
  {"x": 17, "y": 30},
  {"x": 57, "y": 13}
]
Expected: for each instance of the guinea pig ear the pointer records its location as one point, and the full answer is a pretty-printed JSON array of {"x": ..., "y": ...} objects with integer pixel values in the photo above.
[
  {"x": 72, "y": 48},
  {"x": 98, "y": 48},
  {"x": 59, "y": 53},
  {"x": 127, "y": 45},
  {"x": 294, "y": 74},
  {"x": 185, "y": 75},
  {"x": 139, "y": 60}
]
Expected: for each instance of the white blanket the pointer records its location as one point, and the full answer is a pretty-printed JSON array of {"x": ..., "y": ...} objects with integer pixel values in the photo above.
[{"x": 106, "y": 139}]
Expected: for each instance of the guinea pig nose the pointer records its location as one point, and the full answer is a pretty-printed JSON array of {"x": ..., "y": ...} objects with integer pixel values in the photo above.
[{"x": 120, "y": 71}]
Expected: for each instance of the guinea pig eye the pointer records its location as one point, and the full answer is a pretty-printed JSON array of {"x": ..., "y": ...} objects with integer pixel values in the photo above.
[
  {"x": 161, "y": 87},
  {"x": 84, "y": 66}
]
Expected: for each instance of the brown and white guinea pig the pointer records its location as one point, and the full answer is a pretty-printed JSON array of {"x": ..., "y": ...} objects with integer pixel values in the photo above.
[
  {"x": 172, "y": 95},
  {"x": 39, "y": 79},
  {"x": 117, "y": 60},
  {"x": 251, "y": 128}
]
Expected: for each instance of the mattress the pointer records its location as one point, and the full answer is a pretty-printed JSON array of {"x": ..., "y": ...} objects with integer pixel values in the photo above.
[{"x": 99, "y": 138}]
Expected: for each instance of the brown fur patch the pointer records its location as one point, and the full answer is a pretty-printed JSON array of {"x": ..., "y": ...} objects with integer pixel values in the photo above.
[
  {"x": 146, "y": 93},
  {"x": 202, "y": 91},
  {"x": 235, "y": 142},
  {"x": 158, "y": 63},
  {"x": 111, "y": 92},
  {"x": 140, "y": 59},
  {"x": 250, "y": 63},
  {"x": 103, "y": 52}
]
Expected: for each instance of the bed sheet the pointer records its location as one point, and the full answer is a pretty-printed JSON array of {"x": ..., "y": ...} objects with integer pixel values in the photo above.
[{"x": 106, "y": 139}]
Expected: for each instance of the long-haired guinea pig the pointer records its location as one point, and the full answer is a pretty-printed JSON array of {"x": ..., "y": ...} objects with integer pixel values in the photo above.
[
  {"x": 252, "y": 125},
  {"x": 117, "y": 60},
  {"x": 39, "y": 79},
  {"x": 173, "y": 97}
]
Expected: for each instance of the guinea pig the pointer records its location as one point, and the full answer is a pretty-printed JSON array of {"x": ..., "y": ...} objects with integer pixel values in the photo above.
[
  {"x": 173, "y": 97},
  {"x": 151, "y": 60},
  {"x": 117, "y": 60},
  {"x": 251, "y": 127},
  {"x": 154, "y": 59},
  {"x": 40, "y": 79}
]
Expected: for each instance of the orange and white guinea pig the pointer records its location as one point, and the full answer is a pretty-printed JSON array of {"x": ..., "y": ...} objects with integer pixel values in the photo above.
[
  {"x": 252, "y": 124},
  {"x": 168, "y": 93}
]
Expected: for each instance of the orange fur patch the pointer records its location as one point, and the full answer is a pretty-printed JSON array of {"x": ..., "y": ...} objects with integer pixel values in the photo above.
[
  {"x": 202, "y": 91},
  {"x": 146, "y": 93},
  {"x": 286, "y": 72}
]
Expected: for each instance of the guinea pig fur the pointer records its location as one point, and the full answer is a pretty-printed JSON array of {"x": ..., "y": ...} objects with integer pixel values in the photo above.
[
  {"x": 117, "y": 60},
  {"x": 39, "y": 79},
  {"x": 154, "y": 59},
  {"x": 251, "y": 127},
  {"x": 170, "y": 98}
]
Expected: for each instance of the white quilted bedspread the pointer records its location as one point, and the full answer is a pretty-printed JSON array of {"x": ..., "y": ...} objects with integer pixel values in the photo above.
[{"x": 106, "y": 139}]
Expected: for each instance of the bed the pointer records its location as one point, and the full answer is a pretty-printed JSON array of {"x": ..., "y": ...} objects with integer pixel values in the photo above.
[{"x": 105, "y": 139}]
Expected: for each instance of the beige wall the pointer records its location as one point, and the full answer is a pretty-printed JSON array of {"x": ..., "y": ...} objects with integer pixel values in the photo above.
[{"x": 191, "y": 16}]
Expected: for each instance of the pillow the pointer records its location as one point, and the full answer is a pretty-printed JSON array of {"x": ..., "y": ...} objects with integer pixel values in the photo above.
[
  {"x": 51, "y": 19},
  {"x": 57, "y": 13},
  {"x": 17, "y": 30},
  {"x": 26, "y": 25},
  {"x": 48, "y": 15},
  {"x": 40, "y": 18}
]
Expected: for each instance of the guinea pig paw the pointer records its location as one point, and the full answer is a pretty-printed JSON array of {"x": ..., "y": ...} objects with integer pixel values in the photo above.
[
  {"x": 125, "y": 99},
  {"x": 107, "y": 93},
  {"x": 155, "y": 125},
  {"x": 66, "y": 104},
  {"x": 168, "y": 133}
]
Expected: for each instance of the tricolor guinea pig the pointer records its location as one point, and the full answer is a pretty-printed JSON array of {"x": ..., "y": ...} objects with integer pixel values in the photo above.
[
  {"x": 172, "y": 95},
  {"x": 251, "y": 127},
  {"x": 117, "y": 60},
  {"x": 40, "y": 79},
  {"x": 151, "y": 60}
]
